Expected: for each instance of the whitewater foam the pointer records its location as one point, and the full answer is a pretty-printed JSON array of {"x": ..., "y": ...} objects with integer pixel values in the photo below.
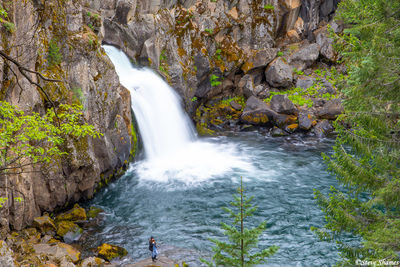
[{"x": 172, "y": 149}]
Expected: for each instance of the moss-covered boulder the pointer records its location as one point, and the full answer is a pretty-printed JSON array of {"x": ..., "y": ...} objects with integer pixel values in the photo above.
[
  {"x": 75, "y": 214},
  {"x": 44, "y": 224},
  {"x": 69, "y": 231},
  {"x": 109, "y": 252},
  {"x": 292, "y": 128},
  {"x": 58, "y": 252},
  {"x": 72, "y": 252},
  {"x": 93, "y": 212}
]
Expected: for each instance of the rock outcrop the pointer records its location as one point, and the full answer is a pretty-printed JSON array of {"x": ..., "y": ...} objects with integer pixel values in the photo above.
[
  {"x": 61, "y": 40},
  {"x": 189, "y": 41}
]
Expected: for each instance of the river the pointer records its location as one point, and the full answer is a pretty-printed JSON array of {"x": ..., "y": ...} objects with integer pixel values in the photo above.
[{"x": 175, "y": 192}]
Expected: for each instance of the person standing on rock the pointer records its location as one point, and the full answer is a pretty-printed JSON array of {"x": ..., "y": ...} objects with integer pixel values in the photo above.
[{"x": 153, "y": 248}]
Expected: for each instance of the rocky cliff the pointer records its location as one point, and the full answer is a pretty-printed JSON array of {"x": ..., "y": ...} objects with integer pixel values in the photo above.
[
  {"x": 54, "y": 38},
  {"x": 188, "y": 41},
  {"x": 218, "y": 50},
  {"x": 211, "y": 51}
]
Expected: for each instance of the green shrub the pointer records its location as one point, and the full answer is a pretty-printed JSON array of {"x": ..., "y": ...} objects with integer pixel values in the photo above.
[
  {"x": 54, "y": 56},
  {"x": 269, "y": 7},
  {"x": 209, "y": 31},
  {"x": 9, "y": 26},
  {"x": 214, "y": 80}
]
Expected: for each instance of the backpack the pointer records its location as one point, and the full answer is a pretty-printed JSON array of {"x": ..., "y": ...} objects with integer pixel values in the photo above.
[{"x": 150, "y": 246}]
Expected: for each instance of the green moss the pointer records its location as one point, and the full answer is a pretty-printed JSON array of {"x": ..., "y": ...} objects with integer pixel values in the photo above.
[
  {"x": 65, "y": 227},
  {"x": 93, "y": 212},
  {"x": 110, "y": 252},
  {"x": 134, "y": 142},
  {"x": 75, "y": 214}
]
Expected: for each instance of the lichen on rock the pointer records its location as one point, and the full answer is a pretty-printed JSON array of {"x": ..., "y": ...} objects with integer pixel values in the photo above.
[{"x": 110, "y": 252}]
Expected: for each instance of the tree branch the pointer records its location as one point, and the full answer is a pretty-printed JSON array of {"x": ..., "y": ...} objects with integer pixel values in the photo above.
[{"x": 22, "y": 70}]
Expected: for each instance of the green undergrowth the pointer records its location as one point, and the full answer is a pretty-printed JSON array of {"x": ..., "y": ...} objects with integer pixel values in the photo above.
[
  {"x": 300, "y": 96},
  {"x": 238, "y": 99}
]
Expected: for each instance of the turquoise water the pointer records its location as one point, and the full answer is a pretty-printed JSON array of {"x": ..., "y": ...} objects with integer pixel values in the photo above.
[{"x": 182, "y": 214}]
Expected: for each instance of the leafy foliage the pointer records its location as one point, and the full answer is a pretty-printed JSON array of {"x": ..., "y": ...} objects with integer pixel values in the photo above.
[
  {"x": 269, "y": 7},
  {"x": 242, "y": 241},
  {"x": 366, "y": 153},
  {"x": 30, "y": 139},
  {"x": 9, "y": 26},
  {"x": 209, "y": 31},
  {"x": 54, "y": 56},
  {"x": 214, "y": 80},
  {"x": 300, "y": 96}
]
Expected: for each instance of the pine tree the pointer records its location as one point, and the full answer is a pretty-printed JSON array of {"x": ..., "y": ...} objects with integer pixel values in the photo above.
[
  {"x": 366, "y": 154},
  {"x": 242, "y": 241}
]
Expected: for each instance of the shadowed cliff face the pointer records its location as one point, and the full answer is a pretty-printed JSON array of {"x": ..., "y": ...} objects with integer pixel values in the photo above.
[{"x": 88, "y": 78}]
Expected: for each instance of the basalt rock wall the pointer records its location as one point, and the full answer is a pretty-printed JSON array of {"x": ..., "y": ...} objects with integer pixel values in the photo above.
[
  {"x": 61, "y": 40},
  {"x": 190, "y": 41}
]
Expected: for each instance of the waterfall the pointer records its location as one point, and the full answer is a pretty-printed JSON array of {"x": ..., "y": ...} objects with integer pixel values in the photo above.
[{"x": 171, "y": 148}]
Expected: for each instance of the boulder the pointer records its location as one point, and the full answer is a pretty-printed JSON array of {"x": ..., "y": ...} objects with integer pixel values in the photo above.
[
  {"x": 305, "y": 120},
  {"x": 262, "y": 91},
  {"x": 246, "y": 85},
  {"x": 6, "y": 255},
  {"x": 257, "y": 112},
  {"x": 323, "y": 128},
  {"x": 325, "y": 43},
  {"x": 327, "y": 87},
  {"x": 58, "y": 251},
  {"x": 44, "y": 224},
  {"x": 305, "y": 82},
  {"x": 259, "y": 58},
  {"x": 65, "y": 262},
  {"x": 304, "y": 57},
  {"x": 109, "y": 252},
  {"x": 92, "y": 262},
  {"x": 235, "y": 105},
  {"x": 69, "y": 231},
  {"x": 256, "y": 117},
  {"x": 93, "y": 212},
  {"x": 282, "y": 120},
  {"x": 75, "y": 214},
  {"x": 282, "y": 104},
  {"x": 276, "y": 132},
  {"x": 279, "y": 73},
  {"x": 257, "y": 75},
  {"x": 331, "y": 109},
  {"x": 319, "y": 102},
  {"x": 292, "y": 128},
  {"x": 254, "y": 103}
]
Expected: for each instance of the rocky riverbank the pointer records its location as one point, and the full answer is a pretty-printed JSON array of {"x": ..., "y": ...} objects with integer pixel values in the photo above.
[
  {"x": 52, "y": 241},
  {"x": 212, "y": 52}
]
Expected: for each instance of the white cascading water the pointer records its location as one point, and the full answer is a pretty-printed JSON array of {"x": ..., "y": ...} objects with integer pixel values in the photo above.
[{"x": 171, "y": 148}]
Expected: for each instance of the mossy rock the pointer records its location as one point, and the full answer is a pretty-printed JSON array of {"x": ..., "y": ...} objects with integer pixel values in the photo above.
[
  {"x": 292, "y": 127},
  {"x": 72, "y": 252},
  {"x": 93, "y": 212},
  {"x": 44, "y": 224},
  {"x": 69, "y": 231},
  {"x": 109, "y": 252},
  {"x": 75, "y": 214}
]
